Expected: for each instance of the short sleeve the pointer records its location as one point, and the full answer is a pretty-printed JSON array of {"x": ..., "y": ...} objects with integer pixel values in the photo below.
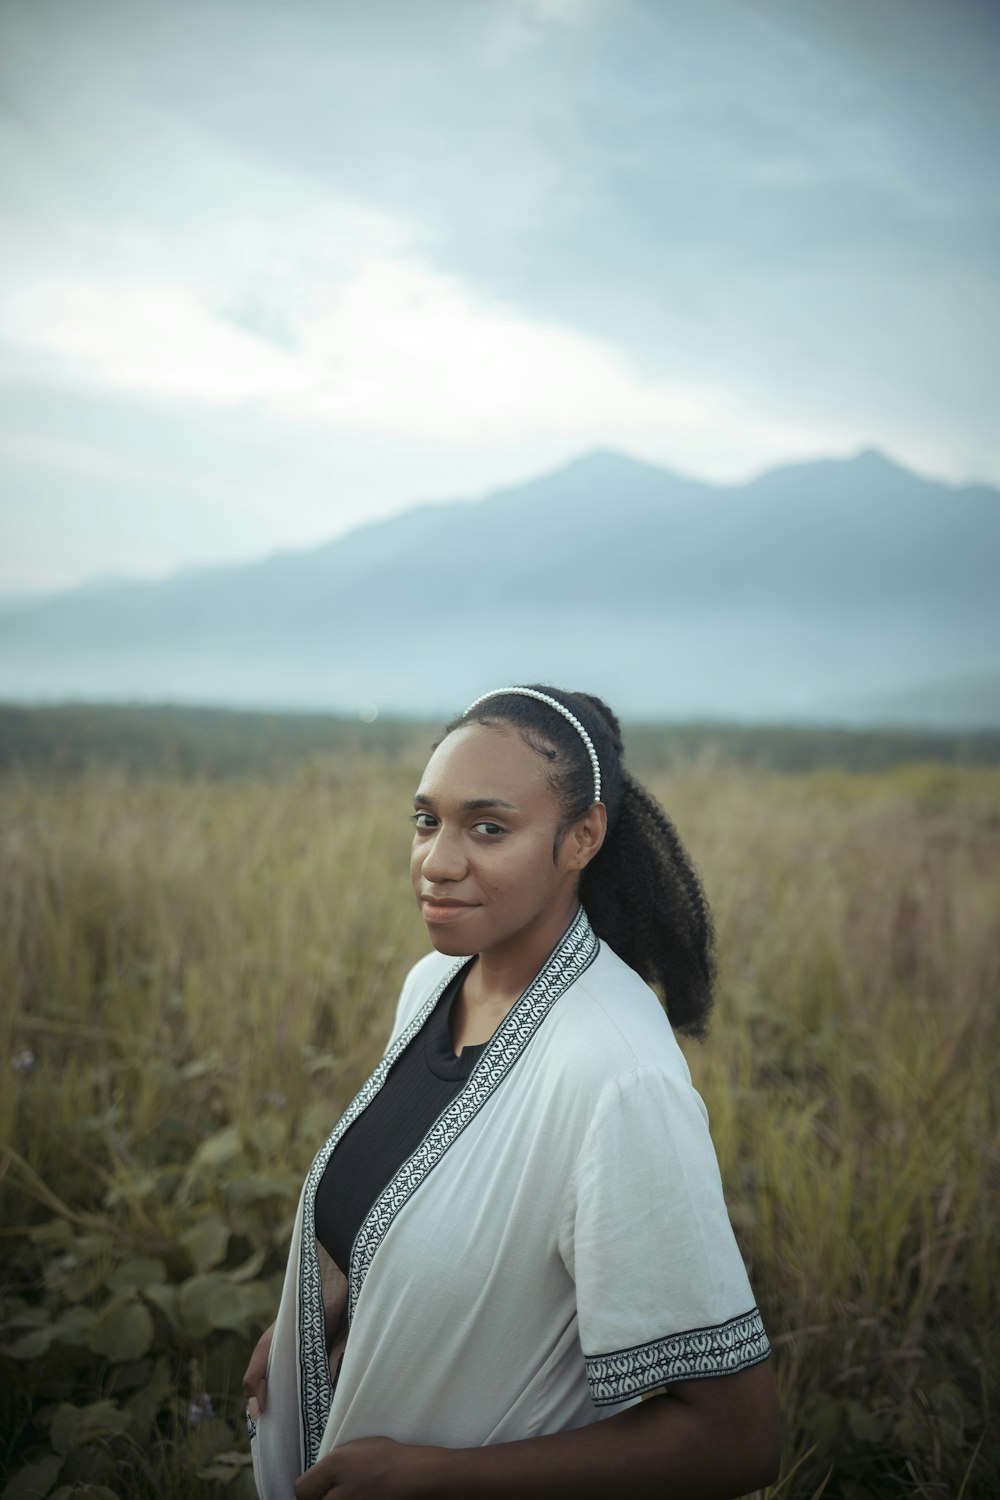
[{"x": 662, "y": 1293}]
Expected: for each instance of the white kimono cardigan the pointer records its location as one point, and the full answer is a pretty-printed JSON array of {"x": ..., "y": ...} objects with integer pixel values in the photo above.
[{"x": 557, "y": 1245}]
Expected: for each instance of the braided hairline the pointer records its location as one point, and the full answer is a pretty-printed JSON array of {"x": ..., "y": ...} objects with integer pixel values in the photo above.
[{"x": 571, "y": 718}]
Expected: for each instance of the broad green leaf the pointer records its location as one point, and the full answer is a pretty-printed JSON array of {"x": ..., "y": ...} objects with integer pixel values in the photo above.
[
  {"x": 122, "y": 1332},
  {"x": 93, "y": 1246},
  {"x": 18, "y": 1315},
  {"x": 908, "y": 1431},
  {"x": 74, "y": 1277},
  {"x": 226, "y": 1467},
  {"x": 72, "y": 1426},
  {"x": 219, "y": 1148},
  {"x": 825, "y": 1422},
  {"x": 31, "y": 1345},
  {"x": 73, "y": 1327},
  {"x": 257, "y": 1187},
  {"x": 165, "y": 1298},
  {"x": 864, "y": 1425},
  {"x": 206, "y": 1242},
  {"x": 139, "y": 1273},
  {"x": 222, "y": 1473},
  {"x": 253, "y": 1303},
  {"x": 34, "y": 1481},
  {"x": 197, "y": 1300}
]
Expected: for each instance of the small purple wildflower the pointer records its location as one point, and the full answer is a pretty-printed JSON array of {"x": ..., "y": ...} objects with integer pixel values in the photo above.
[
  {"x": 200, "y": 1408},
  {"x": 23, "y": 1060}
]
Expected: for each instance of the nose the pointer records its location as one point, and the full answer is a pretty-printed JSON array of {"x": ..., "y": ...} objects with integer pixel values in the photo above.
[{"x": 444, "y": 857}]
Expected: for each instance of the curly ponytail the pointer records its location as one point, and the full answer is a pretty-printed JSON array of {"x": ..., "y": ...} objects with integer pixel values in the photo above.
[{"x": 641, "y": 891}]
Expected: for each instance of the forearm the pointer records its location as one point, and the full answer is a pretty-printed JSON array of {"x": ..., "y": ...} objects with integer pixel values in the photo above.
[{"x": 661, "y": 1448}]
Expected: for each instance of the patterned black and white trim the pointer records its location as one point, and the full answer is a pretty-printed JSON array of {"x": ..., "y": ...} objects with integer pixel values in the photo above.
[
  {"x": 693, "y": 1355},
  {"x": 315, "y": 1384},
  {"x": 575, "y": 953}
]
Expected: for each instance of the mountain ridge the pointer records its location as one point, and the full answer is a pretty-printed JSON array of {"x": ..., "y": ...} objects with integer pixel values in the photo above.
[{"x": 812, "y": 584}]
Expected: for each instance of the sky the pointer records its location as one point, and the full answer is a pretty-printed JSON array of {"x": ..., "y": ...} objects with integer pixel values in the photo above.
[{"x": 273, "y": 269}]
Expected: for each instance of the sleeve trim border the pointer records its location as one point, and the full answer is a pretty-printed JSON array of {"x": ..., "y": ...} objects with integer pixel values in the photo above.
[{"x": 724, "y": 1349}]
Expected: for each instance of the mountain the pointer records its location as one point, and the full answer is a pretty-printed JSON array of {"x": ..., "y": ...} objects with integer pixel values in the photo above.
[{"x": 816, "y": 591}]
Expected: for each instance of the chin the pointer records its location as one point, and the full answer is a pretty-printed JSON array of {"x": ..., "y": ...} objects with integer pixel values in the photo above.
[{"x": 449, "y": 943}]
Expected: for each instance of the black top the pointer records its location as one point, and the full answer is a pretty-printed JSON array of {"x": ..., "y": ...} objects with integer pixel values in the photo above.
[{"x": 421, "y": 1083}]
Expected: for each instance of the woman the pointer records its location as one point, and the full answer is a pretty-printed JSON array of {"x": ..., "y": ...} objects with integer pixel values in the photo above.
[{"x": 517, "y": 1230}]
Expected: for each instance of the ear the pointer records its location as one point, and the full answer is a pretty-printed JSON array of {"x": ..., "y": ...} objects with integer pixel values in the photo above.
[{"x": 586, "y": 836}]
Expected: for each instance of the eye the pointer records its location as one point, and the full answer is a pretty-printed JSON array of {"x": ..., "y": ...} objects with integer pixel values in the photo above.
[
  {"x": 491, "y": 830},
  {"x": 417, "y": 820}
]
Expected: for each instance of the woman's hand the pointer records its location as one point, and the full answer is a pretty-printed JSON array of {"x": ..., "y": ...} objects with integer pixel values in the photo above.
[
  {"x": 254, "y": 1384},
  {"x": 374, "y": 1468},
  {"x": 703, "y": 1439}
]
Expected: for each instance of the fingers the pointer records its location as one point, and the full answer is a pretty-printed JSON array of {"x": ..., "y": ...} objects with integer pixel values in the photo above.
[
  {"x": 364, "y": 1466},
  {"x": 254, "y": 1383},
  {"x": 255, "y": 1390},
  {"x": 317, "y": 1481}
]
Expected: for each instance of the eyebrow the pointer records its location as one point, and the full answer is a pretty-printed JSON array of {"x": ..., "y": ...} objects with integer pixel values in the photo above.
[{"x": 477, "y": 804}]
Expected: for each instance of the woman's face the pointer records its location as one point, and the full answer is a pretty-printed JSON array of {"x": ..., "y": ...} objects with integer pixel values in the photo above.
[{"x": 482, "y": 865}]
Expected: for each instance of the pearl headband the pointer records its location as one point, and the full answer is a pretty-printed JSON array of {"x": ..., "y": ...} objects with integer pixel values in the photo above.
[{"x": 524, "y": 692}]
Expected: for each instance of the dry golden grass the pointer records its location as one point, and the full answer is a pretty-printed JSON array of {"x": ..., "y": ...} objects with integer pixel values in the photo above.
[{"x": 185, "y": 962}]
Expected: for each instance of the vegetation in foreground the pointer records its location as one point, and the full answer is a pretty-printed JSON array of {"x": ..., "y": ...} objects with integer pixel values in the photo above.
[{"x": 197, "y": 974}]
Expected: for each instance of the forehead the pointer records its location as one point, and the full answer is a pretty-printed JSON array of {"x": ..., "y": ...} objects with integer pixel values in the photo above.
[{"x": 486, "y": 760}]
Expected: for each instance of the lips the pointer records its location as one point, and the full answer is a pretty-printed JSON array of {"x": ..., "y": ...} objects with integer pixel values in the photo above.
[{"x": 444, "y": 910}]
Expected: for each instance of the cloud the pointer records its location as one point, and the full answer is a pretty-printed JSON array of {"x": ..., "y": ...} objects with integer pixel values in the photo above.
[
  {"x": 188, "y": 272},
  {"x": 394, "y": 348},
  {"x": 339, "y": 257},
  {"x": 156, "y": 338}
]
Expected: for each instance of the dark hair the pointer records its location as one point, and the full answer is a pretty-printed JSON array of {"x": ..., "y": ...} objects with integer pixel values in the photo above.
[{"x": 641, "y": 891}]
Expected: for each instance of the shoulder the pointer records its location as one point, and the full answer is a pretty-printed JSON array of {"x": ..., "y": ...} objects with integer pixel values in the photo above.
[{"x": 610, "y": 1025}]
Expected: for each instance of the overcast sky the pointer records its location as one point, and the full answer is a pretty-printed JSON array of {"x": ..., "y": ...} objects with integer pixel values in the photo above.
[{"x": 272, "y": 269}]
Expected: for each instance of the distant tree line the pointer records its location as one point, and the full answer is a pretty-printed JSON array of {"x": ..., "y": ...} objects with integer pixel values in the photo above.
[{"x": 65, "y": 739}]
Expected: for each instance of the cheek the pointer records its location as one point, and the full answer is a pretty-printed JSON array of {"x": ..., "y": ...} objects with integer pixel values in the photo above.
[{"x": 524, "y": 874}]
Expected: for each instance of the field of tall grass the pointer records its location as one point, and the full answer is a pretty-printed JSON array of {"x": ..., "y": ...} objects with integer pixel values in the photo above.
[{"x": 197, "y": 974}]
